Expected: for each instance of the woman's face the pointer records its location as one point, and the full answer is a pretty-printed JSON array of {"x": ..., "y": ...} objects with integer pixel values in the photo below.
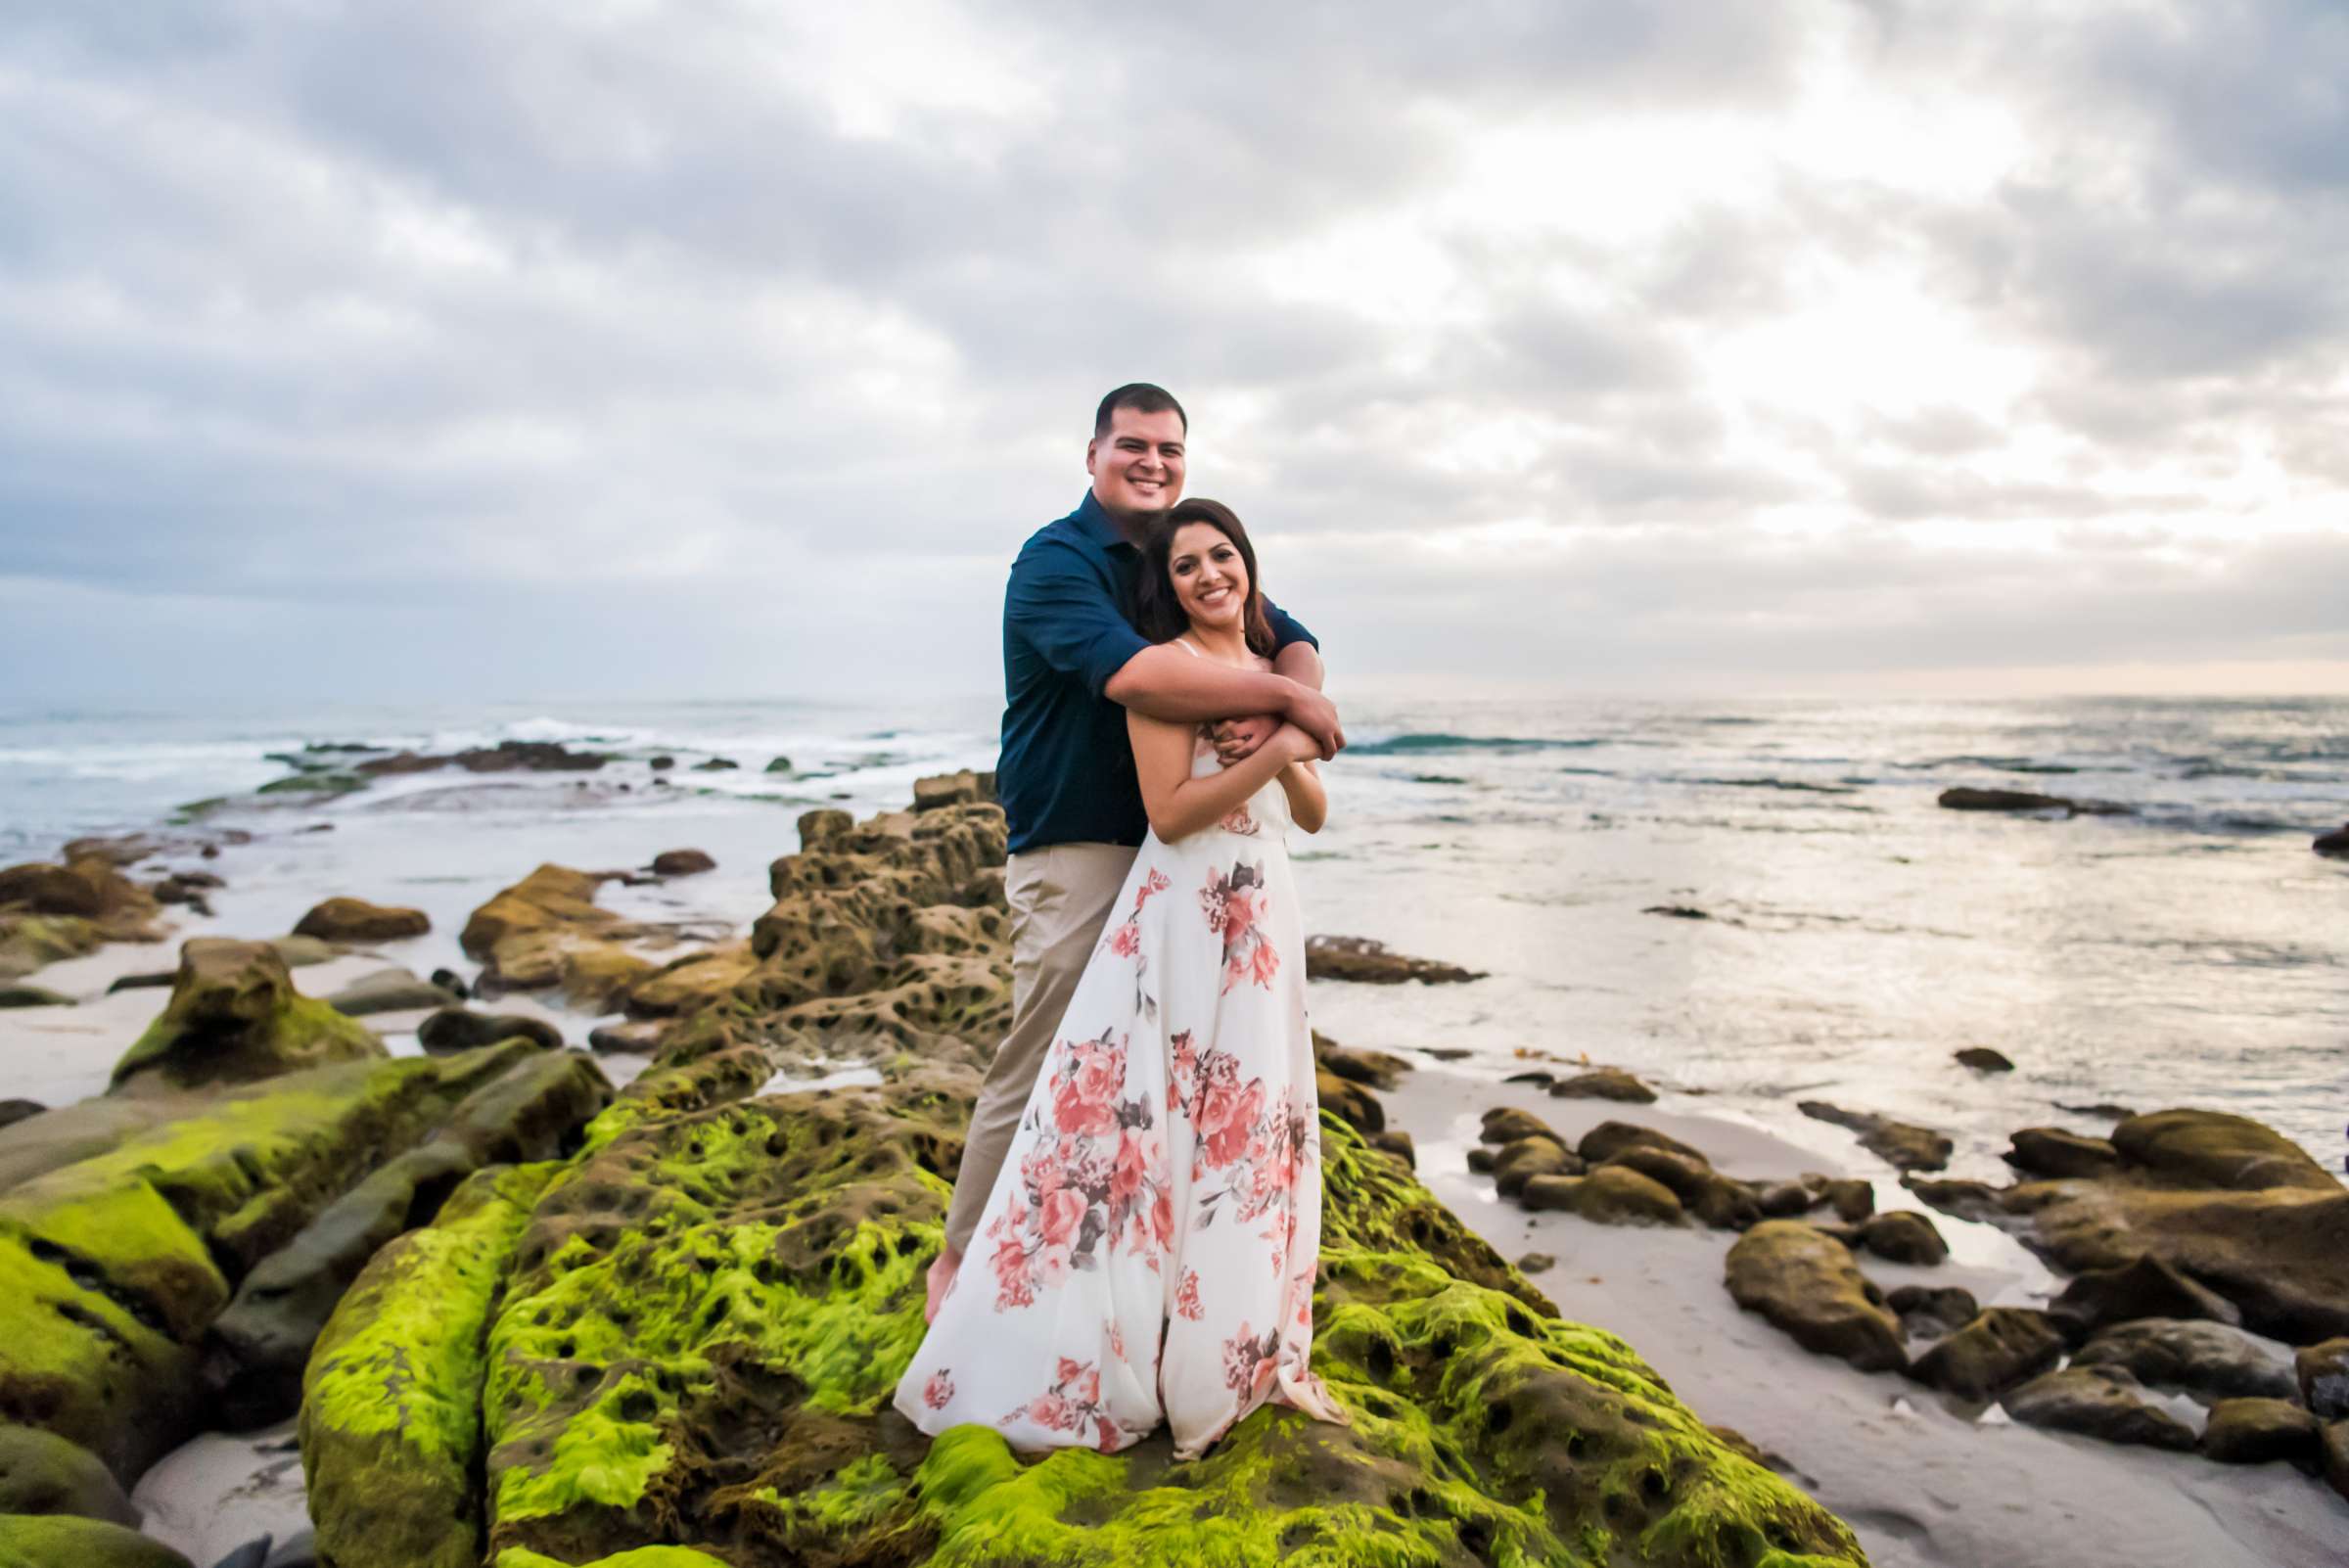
[{"x": 1211, "y": 580}]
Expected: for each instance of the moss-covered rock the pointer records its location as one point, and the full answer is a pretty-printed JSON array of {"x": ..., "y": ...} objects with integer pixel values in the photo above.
[
  {"x": 29, "y": 941},
  {"x": 1802, "y": 1281},
  {"x": 345, "y": 920},
  {"x": 234, "y": 1017},
  {"x": 41, "y": 1472},
  {"x": 57, "y": 1540}
]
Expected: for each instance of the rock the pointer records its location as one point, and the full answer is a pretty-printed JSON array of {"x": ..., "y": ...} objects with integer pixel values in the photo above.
[
  {"x": 940, "y": 790},
  {"x": 1350, "y": 1103},
  {"x": 27, "y": 942},
  {"x": 234, "y": 1017},
  {"x": 1536, "y": 1076},
  {"x": 1609, "y": 1138},
  {"x": 2097, "y": 1401},
  {"x": 694, "y": 982},
  {"x": 662, "y": 763},
  {"x": 358, "y": 921},
  {"x": 778, "y": 764},
  {"x": 299, "y": 952},
  {"x": 62, "y": 1541},
  {"x": 1717, "y": 1201},
  {"x": 546, "y": 931},
  {"x": 2257, "y": 1431},
  {"x": 1604, "y": 1084},
  {"x": 33, "y": 997},
  {"x": 1520, "y": 1162},
  {"x": 41, "y": 1472},
  {"x": 715, "y": 765},
  {"x": 682, "y": 863},
  {"x": 2333, "y": 1455},
  {"x": 1360, "y": 960},
  {"x": 1506, "y": 1125},
  {"x": 636, "y": 1037},
  {"x": 2108, "y": 1112},
  {"x": 1930, "y": 1312},
  {"x": 1375, "y": 1068},
  {"x": 450, "y": 981},
  {"x": 2323, "y": 1373},
  {"x": 2335, "y": 843},
  {"x": 13, "y": 1111},
  {"x": 1965, "y": 1200},
  {"x": 1611, "y": 1195},
  {"x": 2212, "y": 1149},
  {"x": 2050, "y": 1151},
  {"x": 90, "y": 889},
  {"x": 389, "y": 990},
  {"x": 1399, "y": 1144},
  {"x": 1852, "y": 1199},
  {"x": 1903, "y": 1144},
  {"x": 1536, "y": 1262},
  {"x": 1786, "y": 1200},
  {"x": 457, "y": 1029},
  {"x": 1677, "y": 912},
  {"x": 1482, "y": 1158},
  {"x": 254, "y": 1554},
  {"x": 1904, "y": 1236},
  {"x": 1998, "y": 1348},
  {"x": 2144, "y": 1287},
  {"x": 1804, "y": 1282},
  {"x": 2209, "y": 1361},
  {"x": 1982, "y": 1059},
  {"x": 535, "y": 757},
  {"x": 1973, "y": 800}
]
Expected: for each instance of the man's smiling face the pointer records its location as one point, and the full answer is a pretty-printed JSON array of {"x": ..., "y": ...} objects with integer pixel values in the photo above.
[{"x": 1137, "y": 467}]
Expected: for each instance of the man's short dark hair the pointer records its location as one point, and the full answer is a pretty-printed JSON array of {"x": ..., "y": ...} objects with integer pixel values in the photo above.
[{"x": 1142, "y": 399}]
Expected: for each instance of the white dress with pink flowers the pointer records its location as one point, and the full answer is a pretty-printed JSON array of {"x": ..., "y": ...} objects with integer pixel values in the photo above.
[{"x": 1148, "y": 1251}]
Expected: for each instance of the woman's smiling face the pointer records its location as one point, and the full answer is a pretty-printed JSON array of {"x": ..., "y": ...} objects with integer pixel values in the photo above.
[{"x": 1211, "y": 580}]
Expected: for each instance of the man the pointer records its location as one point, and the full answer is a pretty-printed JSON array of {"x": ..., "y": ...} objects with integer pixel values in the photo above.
[{"x": 1072, "y": 666}]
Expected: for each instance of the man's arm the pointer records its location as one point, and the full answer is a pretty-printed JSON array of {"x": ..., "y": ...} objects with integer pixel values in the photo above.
[{"x": 1170, "y": 683}]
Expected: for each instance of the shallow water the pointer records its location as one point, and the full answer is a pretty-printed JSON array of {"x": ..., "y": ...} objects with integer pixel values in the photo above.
[{"x": 2196, "y": 953}]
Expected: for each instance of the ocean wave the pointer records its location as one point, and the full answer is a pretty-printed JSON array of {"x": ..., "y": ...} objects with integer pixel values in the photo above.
[
  {"x": 1798, "y": 786},
  {"x": 2004, "y": 764},
  {"x": 1439, "y": 741}
]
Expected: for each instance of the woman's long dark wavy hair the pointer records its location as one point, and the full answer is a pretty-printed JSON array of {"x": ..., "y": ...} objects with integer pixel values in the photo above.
[{"x": 1158, "y": 614}]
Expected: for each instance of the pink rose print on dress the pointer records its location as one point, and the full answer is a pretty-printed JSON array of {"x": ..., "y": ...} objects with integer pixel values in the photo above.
[
  {"x": 1250, "y": 1360},
  {"x": 1072, "y": 1405},
  {"x": 1234, "y": 908},
  {"x": 1238, "y": 821},
  {"x": 939, "y": 1391},
  {"x": 1186, "y": 1297}
]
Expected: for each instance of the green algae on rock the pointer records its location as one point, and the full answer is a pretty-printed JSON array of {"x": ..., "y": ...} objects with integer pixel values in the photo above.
[
  {"x": 62, "y": 1541},
  {"x": 234, "y": 1017}
]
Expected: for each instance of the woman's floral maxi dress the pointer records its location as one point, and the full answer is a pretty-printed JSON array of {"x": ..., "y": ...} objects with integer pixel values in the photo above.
[{"x": 1149, "y": 1248}]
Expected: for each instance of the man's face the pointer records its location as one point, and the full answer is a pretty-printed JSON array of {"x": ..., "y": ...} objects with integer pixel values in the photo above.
[{"x": 1137, "y": 467}]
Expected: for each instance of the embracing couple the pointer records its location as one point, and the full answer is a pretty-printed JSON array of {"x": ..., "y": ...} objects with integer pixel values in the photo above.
[{"x": 1137, "y": 1216}]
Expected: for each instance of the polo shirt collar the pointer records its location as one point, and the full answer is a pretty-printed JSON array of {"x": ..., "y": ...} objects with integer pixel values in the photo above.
[{"x": 1094, "y": 519}]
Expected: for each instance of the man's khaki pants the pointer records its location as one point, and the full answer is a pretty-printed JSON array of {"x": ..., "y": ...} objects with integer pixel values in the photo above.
[{"x": 1060, "y": 898}]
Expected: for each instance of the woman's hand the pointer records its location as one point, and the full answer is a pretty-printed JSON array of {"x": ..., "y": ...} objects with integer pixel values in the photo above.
[{"x": 1297, "y": 744}]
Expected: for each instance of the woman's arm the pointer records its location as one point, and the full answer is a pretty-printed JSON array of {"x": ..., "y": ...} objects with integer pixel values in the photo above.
[
  {"x": 1309, "y": 802},
  {"x": 1180, "y": 805}
]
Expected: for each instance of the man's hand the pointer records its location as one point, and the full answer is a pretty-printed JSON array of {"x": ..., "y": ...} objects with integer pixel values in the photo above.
[
  {"x": 1318, "y": 716},
  {"x": 1238, "y": 739}
]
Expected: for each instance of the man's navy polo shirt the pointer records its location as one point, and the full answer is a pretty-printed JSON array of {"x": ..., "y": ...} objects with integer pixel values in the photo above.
[{"x": 1066, "y": 775}]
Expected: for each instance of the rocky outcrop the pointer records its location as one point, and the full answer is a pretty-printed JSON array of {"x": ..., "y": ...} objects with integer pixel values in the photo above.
[
  {"x": 2050, "y": 1151},
  {"x": 235, "y": 1017},
  {"x": 1368, "y": 962},
  {"x": 49, "y": 912},
  {"x": 2098, "y": 1401},
  {"x": 2140, "y": 1288},
  {"x": 546, "y": 932},
  {"x": 506, "y": 757},
  {"x": 1966, "y": 798},
  {"x": 1803, "y": 1281},
  {"x": 689, "y": 1332},
  {"x": 1604, "y": 1084},
  {"x": 2206, "y": 1360},
  {"x": 1992, "y": 1353},
  {"x": 358, "y": 921},
  {"x": 1903, "y": 1144}
]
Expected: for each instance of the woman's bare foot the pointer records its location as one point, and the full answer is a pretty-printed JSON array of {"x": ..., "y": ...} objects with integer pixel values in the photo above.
[{"x": 941, "y": 1281}]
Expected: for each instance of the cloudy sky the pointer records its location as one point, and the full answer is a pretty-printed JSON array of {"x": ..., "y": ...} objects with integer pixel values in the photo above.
[{"x": 731, "y": 347}]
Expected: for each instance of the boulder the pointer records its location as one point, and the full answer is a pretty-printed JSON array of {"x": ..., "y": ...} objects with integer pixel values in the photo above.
[
  {"x": 389, "y": 990},
  {"x": 234, "y": 1017},
  {"x": 1719, "y": 1202},
  {"x": 940, "y": 790},
  {"x": 2257, "y": 1431},
  {"x": 1852, "y": 1199},
  {"x": 1611, "y": 1195},
  {"x": 1505, "y": 1124},
  {"x": 33, "y": 997},
  {"x": 63, "y": 1541},
  {"x": 1604, "y": 1084},
  {"x": 2000, "y": 1348},
  {"x": 1786, "y": 1200},
  {"x": 1368, "y": 962},
  {"x": 356, "y": 920},
  {"x": 1964, "y": 799},
  {"x": 2335, "y": 843},
  {"x": 2052, "y": 1151},
  {"x": 1930, "y": 1312},
  {"x": 662, "y": 763},
  {"x": 2144, "y": 1287},
  {"x": 715, "y": 765},
  {"x": 13, "y": 1111},
  {"x": 89, "y": 889},
  {"x": 1350, "y": 1103},
  {"x": 1805, "y": 1283},
  {"x": 450, "y": 981},
  {"x": 1609, "y": 1138},
  {"x": 637, "y": 1038},
  {"x": 1677, "y": 912},
  {"x": 1903, "y": 1144},
  {"x": 777, "y": 765},
  {"x": 1399, "y": 1144},
  {"x": 1902, "y": 1236},
  {"x": 2209, "y": 1361},
  {"x": 1520, "y": 1162},
  {"x": 2097, "y": 1401},
  {"x": 694, "y": 982},
  {"x": 682, "y": 863},
  {"x": 1536, "y": 1262},
  {"x": 2323, "y": 1373},
  {"x": 29, "y": 941},
  {"x": 546, "y": 931},
  {"x": 41, "y": 1472},
  {"x": 1967, "y": 1200},
  {"x": 299, "y": 952},
  {"x": 459, "y": 1029},
  {"x": 2211, "y": 1149},
  {"x": 1378, "y": 1069},
  {"x": 1982, "y": 1059}
]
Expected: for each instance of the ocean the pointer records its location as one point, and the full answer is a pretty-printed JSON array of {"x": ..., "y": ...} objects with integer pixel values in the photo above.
[{"x": 1855, "y": 935}]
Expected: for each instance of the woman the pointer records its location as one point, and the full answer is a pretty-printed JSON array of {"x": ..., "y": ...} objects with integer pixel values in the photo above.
[{"x": 1148, "y": 1250}]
